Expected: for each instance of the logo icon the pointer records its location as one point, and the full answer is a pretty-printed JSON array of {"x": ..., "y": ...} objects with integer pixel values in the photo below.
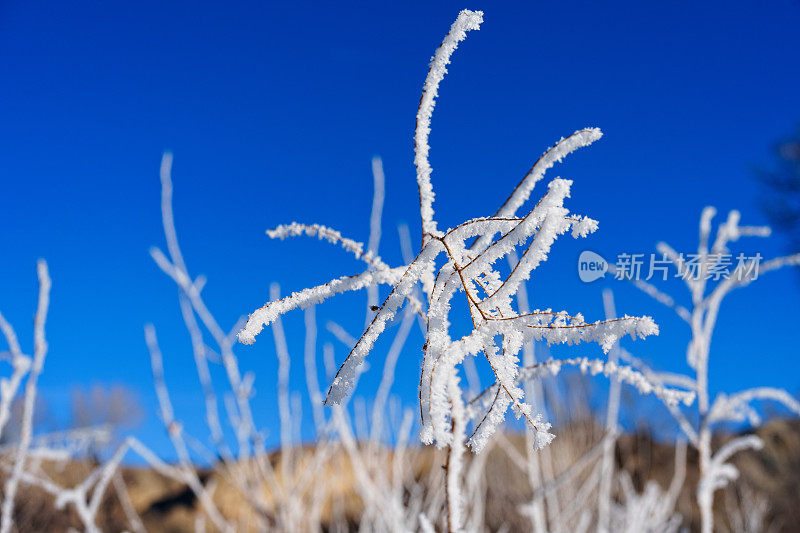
[{"x": 591, "y": 266}]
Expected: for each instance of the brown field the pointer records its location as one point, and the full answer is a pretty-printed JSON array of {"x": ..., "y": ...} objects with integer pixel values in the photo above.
[{"x": 168, "y": 506}]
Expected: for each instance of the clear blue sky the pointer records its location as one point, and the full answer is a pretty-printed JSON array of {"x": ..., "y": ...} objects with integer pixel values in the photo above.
[{"x": 273, "y": 113}]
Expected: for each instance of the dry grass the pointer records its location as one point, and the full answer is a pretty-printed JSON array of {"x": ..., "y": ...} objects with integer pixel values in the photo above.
[{"x": 168, "y": 506}]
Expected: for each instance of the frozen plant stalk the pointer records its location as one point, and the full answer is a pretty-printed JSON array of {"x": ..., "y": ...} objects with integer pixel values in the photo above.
[
  {"x": 715, "y": 470},
  {"x": 468, "y": 254}
]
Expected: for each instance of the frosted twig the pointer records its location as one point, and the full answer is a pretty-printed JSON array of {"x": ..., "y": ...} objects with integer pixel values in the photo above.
[
  {"x": 20, "y": 364},
  {"x": 466, "y": 21},
  {"x": 175, "y": 431},
  {"x": 124, "y": 497},
  {"x": 735, "y": 407},
  {"x": 378, "y": 194},
  {"x": 454, "y": 466},
  {"x": 201, "y": 363},
  {"x": 612, "y": 417},
  {"x": 624, "y": 374},
  {"x": 26, "y": 434},
  {"x": 265, "y": 315},
  {"x": 312, "y": 382},
  {"x": 176, "y": 269},
  {"x": 388, "y": 375},
  {"x": 332, "y": 236},
  {"x": 574, "y": 469},
  {"x": 284, "y": 410},
  {"x": 551, "y": 156},
  {"x": 341, "y": 334}
]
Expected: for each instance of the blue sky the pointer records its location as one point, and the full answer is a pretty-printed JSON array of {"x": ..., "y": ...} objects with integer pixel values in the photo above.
[{"x": 273, "y": 113}]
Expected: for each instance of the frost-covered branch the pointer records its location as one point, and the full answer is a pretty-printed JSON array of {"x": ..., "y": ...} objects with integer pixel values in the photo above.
[
  {"x": 375, "y": 219},
  {"x": 26, "y": 435},
  {"x": 470, "y": 252},
  {"x": 706, "y": 298},
  {"x": 332, "y": 236},
  {"x": 736, "y": 407},
  {"x": 622, "y": 373},
  {"x": 466, "y": 21},
  {"x": 718, "y": 473},
  {"x": 313, "y": 296}
]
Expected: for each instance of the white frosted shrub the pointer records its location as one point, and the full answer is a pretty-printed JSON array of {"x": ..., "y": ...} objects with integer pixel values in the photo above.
[
  {"x": 465, "y": 259},
  {"x": 707, "y": 291}
]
